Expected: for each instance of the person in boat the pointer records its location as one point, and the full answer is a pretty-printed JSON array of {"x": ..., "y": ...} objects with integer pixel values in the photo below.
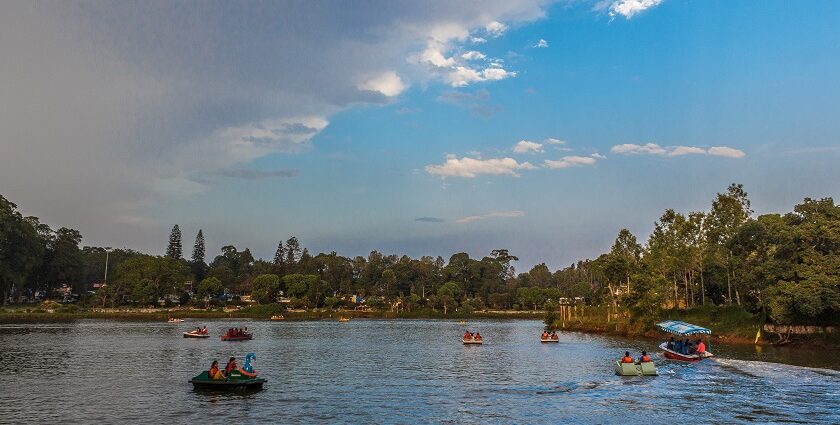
[
  {"x": 205, "y": 331},
  {"x": 691, "y": 348},
  {"x": 627, "y": 358},
  {"x": 214, "y": 372},
  {"x": 645, "y": 358},
  {"x": 701, "y": 347},
  {"x": 544, "y": 335},
  {"x": 231, "y": 366},
  {"x": 467, "y": 335},
  {"x": 245, "y": 331},
  {"x": 671, "y": 345},
  {"x": 678, "y": 347},
  {"x": 554, "y": 335},
  {"x": 477, "y": 336}
]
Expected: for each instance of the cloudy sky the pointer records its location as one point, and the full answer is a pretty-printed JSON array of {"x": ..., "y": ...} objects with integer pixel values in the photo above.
[{"x": 424, "y": 128}]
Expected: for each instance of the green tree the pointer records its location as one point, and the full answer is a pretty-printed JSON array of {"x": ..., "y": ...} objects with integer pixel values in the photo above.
[
  {"x": 20, "y": 248},
  {"x": 292, "y": 251},
  {"x": 152, "y": 277},
  {"x": 265, "y": 287},
  {"x": 448, "y": 294},
  {"x": 331, "y": 302},
  {"x": 174, "y": 249},
  {"x": 209, "y": 288}
]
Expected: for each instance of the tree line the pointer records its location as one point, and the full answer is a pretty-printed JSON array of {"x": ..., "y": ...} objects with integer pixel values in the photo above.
[{"x": 786, "y": 265}]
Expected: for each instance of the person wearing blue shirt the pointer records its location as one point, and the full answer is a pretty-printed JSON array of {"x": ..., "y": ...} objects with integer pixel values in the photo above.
[{"x": 679, "y": 346}]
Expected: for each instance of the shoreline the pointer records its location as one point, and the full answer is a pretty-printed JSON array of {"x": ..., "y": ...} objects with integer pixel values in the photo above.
[{"x": 735, "y": 336}]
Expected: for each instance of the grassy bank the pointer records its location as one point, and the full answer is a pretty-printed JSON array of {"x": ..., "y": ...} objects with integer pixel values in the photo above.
[{"x": 260, "y": 312}]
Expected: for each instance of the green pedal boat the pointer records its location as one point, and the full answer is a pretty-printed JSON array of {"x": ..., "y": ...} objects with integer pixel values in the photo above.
[
  {"x": 635, "y": 369},
  {"x": 234, "y": 382}
]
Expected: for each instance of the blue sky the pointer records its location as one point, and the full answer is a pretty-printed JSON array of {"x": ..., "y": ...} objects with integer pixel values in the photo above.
[{"x": 393, "y": 127}]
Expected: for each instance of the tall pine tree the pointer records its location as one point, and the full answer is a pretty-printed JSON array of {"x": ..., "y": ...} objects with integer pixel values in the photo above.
[
  {"x": 198, "y": 248},
  {"x": 174, "y": 250},
  {"x": 280, "y": 254},
  {"x": 292, "y": 250}
]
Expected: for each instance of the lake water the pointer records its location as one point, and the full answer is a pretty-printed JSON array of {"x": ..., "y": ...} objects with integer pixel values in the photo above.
[{"x": 402, "y": 371}]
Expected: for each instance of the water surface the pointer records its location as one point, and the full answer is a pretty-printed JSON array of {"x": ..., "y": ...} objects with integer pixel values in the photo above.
[{"x": 401, "y": 371}]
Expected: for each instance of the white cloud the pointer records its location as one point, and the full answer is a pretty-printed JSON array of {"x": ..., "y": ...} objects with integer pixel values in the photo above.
[
  {"x": 471, "y": 167},
  {"x": 570, "y": 161},
  {"x": 541, "y": 44},
  {"x": 461, "y": 76},
  {"x": 388, "y": 83},
  {"x": 686, "y": 150},
  {"x": 494, "y": 214},
  {"x": 478, "y": 40},
  {"x": 473, "y": 55},
  {"x": 726, "y": 151},
  {"x": 235, "y": 145},
  {"x": 654, "y": 149},
  {"x": 596, "y": 155},
  {"x": 630, "y": 8},
  {"x": 525, "y": 146},
  {"x": 495, "y": 29},
  {"x": 630, "y": 148},
  {"x": 552, "y": 141}
]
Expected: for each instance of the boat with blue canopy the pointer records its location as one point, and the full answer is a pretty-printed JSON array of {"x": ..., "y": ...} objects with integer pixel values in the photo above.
[{"x": 679, "y": 352}]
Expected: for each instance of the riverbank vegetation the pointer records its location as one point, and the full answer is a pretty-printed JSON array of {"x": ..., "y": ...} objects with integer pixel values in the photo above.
[{"x": 724, "y": 262}]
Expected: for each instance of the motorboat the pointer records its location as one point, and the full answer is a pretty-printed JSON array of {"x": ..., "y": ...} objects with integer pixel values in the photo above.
[
  {"x": 677, "y": 327},
  {"x": 196, "y": 334},
  {"x": 278, "y": 317}
]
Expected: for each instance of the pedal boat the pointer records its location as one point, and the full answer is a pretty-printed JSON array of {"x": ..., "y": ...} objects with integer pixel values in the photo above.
[
  {"x": 234, "y": 382},
  {"x": 472, "y": 341},
  {"x": 549, "y": 340},
  {"x": 635, "y": 369},
  {"x": 195, "y": 334},
  {"x": 245, "y": 337}
]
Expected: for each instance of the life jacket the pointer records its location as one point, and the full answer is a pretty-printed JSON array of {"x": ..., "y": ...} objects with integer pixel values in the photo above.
[
  {"x": 645, "y": 358},
  {"x": 477, "y": 336},
  {"x": 627, "y": 359}
]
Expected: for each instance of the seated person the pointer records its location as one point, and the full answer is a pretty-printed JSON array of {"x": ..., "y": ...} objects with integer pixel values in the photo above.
[
  {"x": 678, "y": 347},
  {"x": 477, "y": 336},
  {"x": 205, "y": 331},
  {"x": 701, "y": 347},
  {"x": 467, "y": 335},
  {"x": 554, "y": 335},
  {"x": 690, "y": 349},
  {"x": 544, "y": 335},
  {"x": 627, "y": 358},
  {"x": 645, "y": 358},
  {"x": 229, "y": 332},
  {"x": 231, "y": 366},
  {"x": 214, "y": 372},
  {"x": 671, "y": 344}
]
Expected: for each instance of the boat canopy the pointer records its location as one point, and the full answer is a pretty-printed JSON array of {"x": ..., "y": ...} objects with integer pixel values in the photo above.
[{"x": 681, "y": 328}]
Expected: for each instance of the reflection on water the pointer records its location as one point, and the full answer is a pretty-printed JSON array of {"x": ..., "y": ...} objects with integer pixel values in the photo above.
[{"x": 404, "y": 371}]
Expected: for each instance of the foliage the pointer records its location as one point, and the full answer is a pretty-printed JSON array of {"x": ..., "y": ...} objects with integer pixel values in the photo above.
[
  {"x": 174, "y": 250},
  {"x": 264, "y": 288}
]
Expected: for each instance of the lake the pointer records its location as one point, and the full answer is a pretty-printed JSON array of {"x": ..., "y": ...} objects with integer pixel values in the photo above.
[{"x": 395, "y": 371}]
